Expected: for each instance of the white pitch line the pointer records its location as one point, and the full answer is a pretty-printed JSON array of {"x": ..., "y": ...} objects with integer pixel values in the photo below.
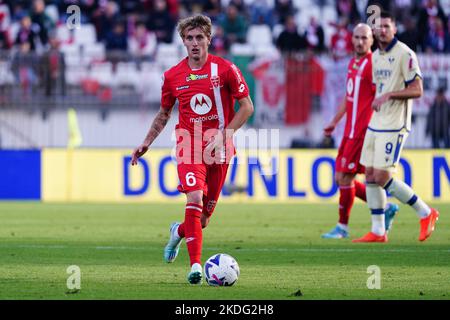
[{"x": 339, "y": 250}]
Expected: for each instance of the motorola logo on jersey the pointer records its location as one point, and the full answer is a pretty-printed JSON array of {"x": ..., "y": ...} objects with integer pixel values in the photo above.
[
  {"x": 350, "y": 86},
  {"x": 201, "y": 104}
]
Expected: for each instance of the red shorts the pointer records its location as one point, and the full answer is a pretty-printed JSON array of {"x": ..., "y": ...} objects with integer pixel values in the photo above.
[
  {"x": 347, "y": 160},
  {"x": 208, "y": 178}
]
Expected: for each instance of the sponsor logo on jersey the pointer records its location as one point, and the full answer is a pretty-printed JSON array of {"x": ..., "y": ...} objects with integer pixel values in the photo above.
[
  {"x": 201, "y": 104},
  {"x": 383, "y": 73},
  {"x": 204, "y": 118},
  {"x": 193, "y": 77},
  {"x": 182, "y": 88}
]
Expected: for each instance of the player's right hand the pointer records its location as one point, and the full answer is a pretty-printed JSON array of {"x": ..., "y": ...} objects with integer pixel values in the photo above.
[
  {"x": 137, "y": 153},
  {"x": 328, "y": 130}
]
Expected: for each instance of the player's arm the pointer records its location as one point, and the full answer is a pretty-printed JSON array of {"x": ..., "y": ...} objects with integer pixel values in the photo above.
[
  {"x": 413, "y": 91},
  {"x": 156, "y": 128},
  {"x": 328, "y": 130},
  {"x": 241, "y": 116}
]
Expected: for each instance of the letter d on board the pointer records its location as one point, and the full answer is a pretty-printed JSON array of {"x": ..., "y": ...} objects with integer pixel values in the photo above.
[{"x": 127, "y": 189}]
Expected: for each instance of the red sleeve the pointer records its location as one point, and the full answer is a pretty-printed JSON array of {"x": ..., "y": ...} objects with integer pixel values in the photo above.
[
  {"x": 167, "y": 99},
  {"x": 236, "y": 82}
]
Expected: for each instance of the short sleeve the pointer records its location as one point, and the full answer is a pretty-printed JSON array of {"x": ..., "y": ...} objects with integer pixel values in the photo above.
[
  {"x": 167, "y": 99},
  {"x": 410, "y": 67},
  {"x": 237, "y": 84}
]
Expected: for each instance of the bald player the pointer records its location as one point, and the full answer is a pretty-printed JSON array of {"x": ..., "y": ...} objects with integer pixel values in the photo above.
[
  {"x": 357, "y": 108},
  {"x": 398, "y": 80}
]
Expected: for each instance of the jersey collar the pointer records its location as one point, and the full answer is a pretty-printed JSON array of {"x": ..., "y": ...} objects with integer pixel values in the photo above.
[{"x": 391, "y": 45}]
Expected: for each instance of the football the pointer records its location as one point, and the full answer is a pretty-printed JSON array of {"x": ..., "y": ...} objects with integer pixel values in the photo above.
[{"x": 221, "y": 270}]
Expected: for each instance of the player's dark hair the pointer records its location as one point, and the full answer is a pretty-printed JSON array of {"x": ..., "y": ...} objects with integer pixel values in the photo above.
[
  {"x": 387, "y": 15},
  {"x": 198, "y": 21}
]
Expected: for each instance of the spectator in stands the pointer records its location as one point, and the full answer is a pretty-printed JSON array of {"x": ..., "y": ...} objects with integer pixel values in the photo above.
[
  {"x": 283, "y": 9},
  {"x": 315, "y": 36},
  {"x": 18, "y": 10},
  {"x": 409, "y": 35},
  {"x": 241, "y": 6},
  {"x": 53, "y": 67},
  {"x": 435, "y": 38},
  {"x": 219, "y": 43},
  {"x": 117, "y": 38},
  {"x": 347, "y": 9},
  {"x": 427, "y": 15},
  {"x": 40, "y": 18},
  {"x": 261, "y": 13},
  {"x": 27, "y": 33},
  {"x": 160, "y": 22},
  {"x": 105, "y": 18},
  {"x": 142, "y": 43},
  {"x": 24, "y": 65},
  {"x": 289, "y": 40},
  {"x": 402, "y": 9},
  {"x": 234, "y": 25},
  {"x": 213, "y": 9},
  {"x": 341, "y": 41},
  {"x": 130, "y": 7},
  {"x": 438, "y": 121},
  {"x": 5, "y": 16},
  {"x": 5, "y": 40}
]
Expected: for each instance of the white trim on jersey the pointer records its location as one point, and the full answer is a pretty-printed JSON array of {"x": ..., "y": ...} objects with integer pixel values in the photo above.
[
  {"x": 218, "y": 100},
  {"x": 356, "y": 97}
]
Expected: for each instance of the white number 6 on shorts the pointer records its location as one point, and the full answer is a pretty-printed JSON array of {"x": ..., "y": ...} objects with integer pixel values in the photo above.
[{"x": 190, "y": 179}]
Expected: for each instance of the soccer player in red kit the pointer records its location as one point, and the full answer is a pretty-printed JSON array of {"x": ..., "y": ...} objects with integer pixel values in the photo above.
[
  {"x": 206, "y": 87},
  {"x": 357, "y": 107}
]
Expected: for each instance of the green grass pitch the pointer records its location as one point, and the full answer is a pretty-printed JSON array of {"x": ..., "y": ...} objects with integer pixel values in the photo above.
[{"x": 278, "y": 247}]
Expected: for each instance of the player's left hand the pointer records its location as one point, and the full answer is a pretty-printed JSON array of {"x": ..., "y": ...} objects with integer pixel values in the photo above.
[{"x": 378, "y": 102}]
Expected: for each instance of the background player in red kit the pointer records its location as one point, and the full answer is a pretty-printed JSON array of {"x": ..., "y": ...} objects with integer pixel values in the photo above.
[
  {"x": 206, "y": 87},
  {"x": 357, "y": 106}
]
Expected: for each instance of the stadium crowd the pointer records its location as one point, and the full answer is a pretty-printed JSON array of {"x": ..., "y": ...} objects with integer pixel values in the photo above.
[
  {"x": 32, "y": 49},
  {"x": 136, "y": 25}
]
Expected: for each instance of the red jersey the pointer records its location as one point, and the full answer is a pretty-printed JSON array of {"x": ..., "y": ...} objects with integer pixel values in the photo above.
[
  {"x": 205, "y": 96},
  {"x": 359, "y": 97}
]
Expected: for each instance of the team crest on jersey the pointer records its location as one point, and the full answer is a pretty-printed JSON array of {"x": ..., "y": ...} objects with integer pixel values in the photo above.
[
  {"x": 391, "y": 59},
  {"x": 215, "y": 81},
  {"x": 193, "y": 77},
  {"x": 201, "y": 104}
]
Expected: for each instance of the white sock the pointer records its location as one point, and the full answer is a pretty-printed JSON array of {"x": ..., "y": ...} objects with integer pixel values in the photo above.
[
  {"x": 377, "y": 201},
  {"x": 343, "y": 226},
  {"x": 376, "y": 196},
  {"x": 406, "y": 195},
  {"x": 422, "y": 209},
  {"x": 378, "y": 224},
  {"x": 196, "y": 267}
]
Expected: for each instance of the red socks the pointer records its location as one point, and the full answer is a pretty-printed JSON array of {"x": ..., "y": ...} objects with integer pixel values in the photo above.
[
  {"x": 192, "y": 229},
  {"x": 346, "y": 199},
  {"x": 360, "y": 190}
]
